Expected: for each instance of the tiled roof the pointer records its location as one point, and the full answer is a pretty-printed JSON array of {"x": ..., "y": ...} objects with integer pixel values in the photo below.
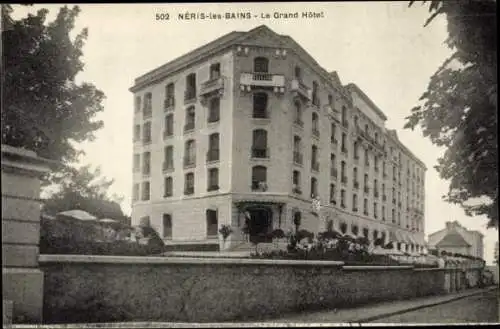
[{"x": 453, "y": 239}]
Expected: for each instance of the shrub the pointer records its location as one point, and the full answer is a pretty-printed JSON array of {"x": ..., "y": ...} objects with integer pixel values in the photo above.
[
  {"x": 277, "y": 234},
  {"x": 225, "y": 231}
]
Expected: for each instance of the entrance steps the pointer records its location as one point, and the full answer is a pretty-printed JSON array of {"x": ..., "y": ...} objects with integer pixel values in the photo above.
[{"x": 261, "y": 247}]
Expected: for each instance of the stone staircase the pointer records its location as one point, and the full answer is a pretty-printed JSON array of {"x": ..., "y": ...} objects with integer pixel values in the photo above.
[{"x": 262, "y": 247}]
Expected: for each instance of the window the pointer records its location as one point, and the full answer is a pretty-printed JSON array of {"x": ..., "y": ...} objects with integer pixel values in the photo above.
[
  {"x": 384, "y": 173},
  {"x": 298, "y": 114},
  {"x": 147, "y": 109},
  {"x": 355, "y": 150},
  {"x": 315, "y": 98},
  {"x": 356, "y": 121},
  {"x": 375, "y": 188},
  {"x": 365, "y": 207},
  {"x": 333, "y": 166},
  {"x": 190, "y": 92},
  {"x": 189, "y": 184},
  {"x": 367, "y": 130},
  {"x": 135, "y": 192},
  {"x": 314, "y": 187},
  {"x": 315, "y": 130},
  {"x": 212, "y": 223},
  {"x": 169, "y": 96},
  {"x": 393, "y": 216},
  {"x": 137, "y": 133},
  {"x": 333, "y": 136},
  {"x": 344, "y": 116},
  {"x": 342, "y": 198},
  {"x": 383, "y": 212},
  {"x": 344, "y": 138},
  {"x": 259, "y": 144},
  {"x": 259, "y": 178},
  {"x": 213, "y": 147},
  {"x": 332, "y": 194},
  {"x": 355, "y": 177},
  {"x": 145, "y": 191},
  {"x": 167, "y": 187},
  {"x": 214, "y": 71},
  {"x": 167, "y": 226},
  {"x": 298, "y": 73},
  {"x": 375, "y": 212},
  {"x": 354, "y": 203},
  {"x": 146, "y": 163},
  {"x": 330, "y": 100},
  {"x": 297, "y": 155},
  {"x": 375, "y": 235},
  {"x": 367, "y": 158},
  {"x": 261, "y": 65},
  {"x": 137, "y": 163},
  {"x": 260, "y": 105},
  {"x": 146, "y": 133},
  {"x": 168, "y": 163},
  {"x": 296, "y": 181},
  {"x": 137, "y": 105},
  {"x": 384, "y": 197},
  {"x": 213, "y": 179},
  {"x": 365, "y": 180},
  {"x": 342, "y": 172},
  {"x": 190, "y": 119},
  {"x": 314, "y": 158},
  {"x": 214, "y": 110},
  {"x": 169, "y": 126},
  {"x": 366, "y": 232},
  {"x": 190, "y": 153}
]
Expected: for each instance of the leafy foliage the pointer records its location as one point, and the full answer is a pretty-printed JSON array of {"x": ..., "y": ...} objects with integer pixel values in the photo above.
[
  {"x": 459, "y": 110},
  {"x": 225, "y": 231},
  {"x": 83, "y": 189},
  {"x": 44, "y": 109}
]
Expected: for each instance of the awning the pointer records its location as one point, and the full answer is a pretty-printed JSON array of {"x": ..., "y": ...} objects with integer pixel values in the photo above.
[{"x": 392, "y": 236}]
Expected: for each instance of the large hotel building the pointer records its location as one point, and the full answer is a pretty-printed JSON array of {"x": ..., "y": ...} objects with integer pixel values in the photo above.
[{"x": 249, "y": 129}]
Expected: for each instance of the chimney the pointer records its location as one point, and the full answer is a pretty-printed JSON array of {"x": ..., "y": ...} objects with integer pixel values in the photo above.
[{"x": 449, "y": 225}]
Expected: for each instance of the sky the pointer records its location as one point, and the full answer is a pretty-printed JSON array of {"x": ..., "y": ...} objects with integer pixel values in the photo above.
[{"x": 381, "y": 46}]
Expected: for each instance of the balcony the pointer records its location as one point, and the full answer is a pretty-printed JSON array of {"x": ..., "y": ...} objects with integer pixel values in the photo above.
[
  {"x": 344, "y": 180},
  {"x": 334, "y": 141},
  {"x": 214, "y": 86},
  {"x": 167, "y": 133},
  {"x": 214, "y": 187},
  {"x": 301, "y": 90},
  {"x": 332, "y": 112},
  {"x": 188, "y": 127},
  {"x": 259, "y": 186},
  {"x": 298, "y": 123},
  {"x": 146, "y": 140},
  {"x": 296, "y": 189},
  {"x": 333, "y": 172},
  {"x": 315, "y": 166},
  {"x": 213, "y": 155},
  {"x": 168, "y": 166},
  {"x": 298, "y": 158},
  {"x": 189, "y": 190},
  {"x": 260, "y": 153},
  {"x": 147, "y": 112},
  {"x": 189, "y": 162},
  {"x": 366, "y": 189},
  {"x": 260, "y": 114},
  {"x": 315, "y": 133},
  {"x": 169, "y": 104},
  {"x": 384, "y": 197},
  {"x": 189, "y": 96},
  {"x": 276, "y": 82}
]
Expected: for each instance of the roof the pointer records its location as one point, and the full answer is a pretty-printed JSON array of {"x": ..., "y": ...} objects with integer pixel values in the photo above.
[
  {"x": 392, "y": 133},
  {"x": 453, "y": 239},
  {"x": 354, "y": 88}
]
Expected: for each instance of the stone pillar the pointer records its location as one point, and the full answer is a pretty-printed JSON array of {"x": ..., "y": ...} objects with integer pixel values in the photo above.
[{"x": 22, "y": 278}]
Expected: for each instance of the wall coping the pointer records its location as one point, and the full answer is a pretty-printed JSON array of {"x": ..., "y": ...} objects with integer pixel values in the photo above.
[
  {"x": 25, "y": 160},
  {"x": 376, "y": 267},
  {"x": 98, "y": 259}
]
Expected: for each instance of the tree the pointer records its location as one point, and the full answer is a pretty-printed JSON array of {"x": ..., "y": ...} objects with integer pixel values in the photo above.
[
  {"x": 44, "y": 109},
  {"x": 86, "y": 190},
  {"x": 459, "y": 108}
]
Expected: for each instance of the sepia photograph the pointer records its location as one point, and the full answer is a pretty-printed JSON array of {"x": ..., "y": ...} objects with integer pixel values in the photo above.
[{"x": 246, "y": 164}]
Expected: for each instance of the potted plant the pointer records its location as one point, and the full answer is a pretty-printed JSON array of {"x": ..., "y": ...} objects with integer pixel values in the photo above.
[{"x": 225, "y": 231}]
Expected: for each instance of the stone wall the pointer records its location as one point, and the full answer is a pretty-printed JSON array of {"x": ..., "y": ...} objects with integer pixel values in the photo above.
[
  {"x": 107, "y": 288},
  {"x": 22, "y": 286}
]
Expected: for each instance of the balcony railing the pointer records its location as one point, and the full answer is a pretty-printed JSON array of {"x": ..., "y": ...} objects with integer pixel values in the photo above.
[
  {"x": 147, "y": 112},
  {"x": 296, "y": 189},
  {"x": 356, "y": 185},
  {"x": 189, "y": 127},
  {"x": 189, "y": 162},
  {"x": 262, "y": 79},
  {"x": 315, "y": 166},
  {"x": 169, "y": 104},
  {"x": 212, "y": 188},
  {"x": 344, "y": 180},
  {"x": 366, "y": 189},
  {"x": 301, "y": 89},
  {"x": 334, "y": 141},
  {"x": 259, "y": 186},
  {"x": 333, "y": 172},
  {"x": 260, "y": 153},
  {"x": 298, "y": 122},
  {"x": 213, "y": 155},
  {"x": 168, "y": 133},
  {"x": 189, "y": 190},
  {"x": 214, "y": 85},
  {"x": 189, "y": 96},
  {"x": 298, "y": 158},
  {"x": 168, "y": 166},
  {"x": 260, "y": 114},
  {"x": 315, "y": 133}
]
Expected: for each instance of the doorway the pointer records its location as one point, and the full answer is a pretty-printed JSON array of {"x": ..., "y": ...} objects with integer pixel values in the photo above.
[{"x": 260, "y": 225}]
